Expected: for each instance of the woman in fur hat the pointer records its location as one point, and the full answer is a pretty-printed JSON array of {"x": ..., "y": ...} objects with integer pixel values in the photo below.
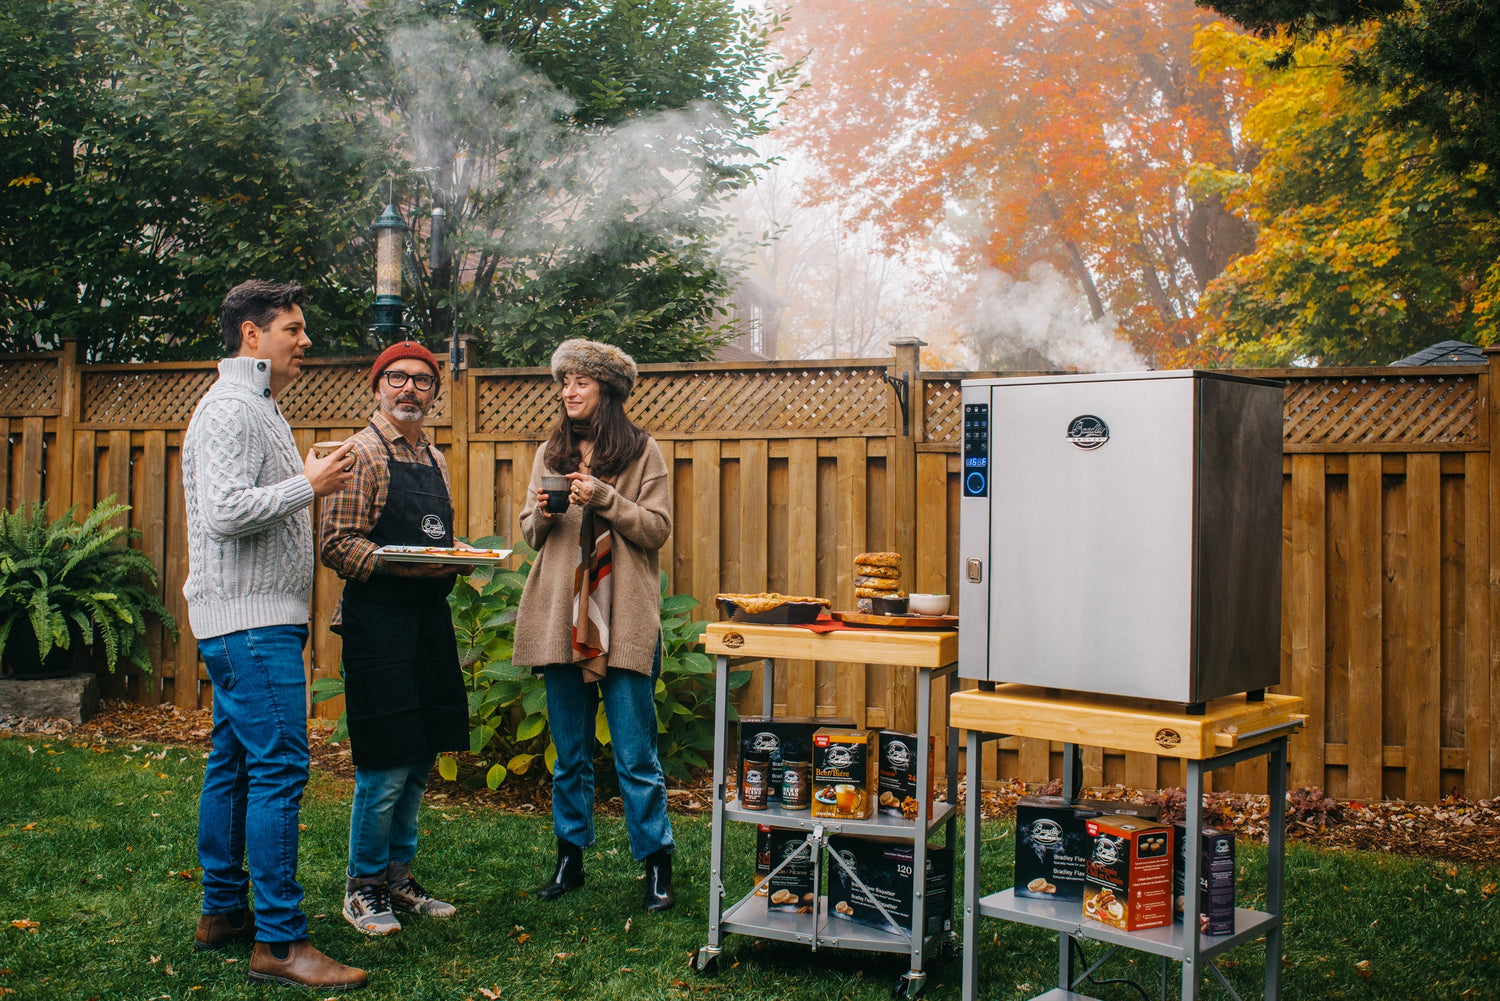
[{"x": 590, "y": 614}]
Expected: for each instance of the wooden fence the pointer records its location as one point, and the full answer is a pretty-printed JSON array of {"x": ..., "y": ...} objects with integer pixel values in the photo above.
[{"x": 783, "y": 471}]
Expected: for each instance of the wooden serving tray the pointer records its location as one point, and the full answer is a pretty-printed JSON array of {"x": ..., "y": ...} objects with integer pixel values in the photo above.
[{"x": 896, "y": 621}]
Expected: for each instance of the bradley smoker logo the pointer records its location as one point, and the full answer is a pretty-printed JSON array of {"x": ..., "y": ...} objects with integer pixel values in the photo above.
[
  {"x": 1167, "y": 737},
  {"x": 838, "y": 757},
  {"x": 432, "y": 526},
  {"x": 898, "y": 754},
  {"x": 1087, "y": 431}
]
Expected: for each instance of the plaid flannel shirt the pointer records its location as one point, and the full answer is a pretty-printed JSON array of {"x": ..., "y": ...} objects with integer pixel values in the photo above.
[{"x": 349, "y": 515}]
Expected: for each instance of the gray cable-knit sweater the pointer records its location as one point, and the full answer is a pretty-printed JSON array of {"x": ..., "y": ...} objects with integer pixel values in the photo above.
[{"x": 250, "y": 541}]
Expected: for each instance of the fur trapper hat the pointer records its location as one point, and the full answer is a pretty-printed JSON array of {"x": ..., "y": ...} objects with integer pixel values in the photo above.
[{"x": 604, "y": 362}]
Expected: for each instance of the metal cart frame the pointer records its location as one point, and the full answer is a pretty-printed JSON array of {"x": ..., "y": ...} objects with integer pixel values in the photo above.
[{"x": 934, "y": 655}]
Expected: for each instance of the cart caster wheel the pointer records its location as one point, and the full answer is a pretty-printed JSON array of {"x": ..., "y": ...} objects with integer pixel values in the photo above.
[
  {"x": 909, "y": 985},
  {"x": 704, "y": 962}
]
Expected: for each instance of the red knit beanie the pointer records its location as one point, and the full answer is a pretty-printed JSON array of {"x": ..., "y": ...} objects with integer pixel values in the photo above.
[{"x": 397, "y": 351}]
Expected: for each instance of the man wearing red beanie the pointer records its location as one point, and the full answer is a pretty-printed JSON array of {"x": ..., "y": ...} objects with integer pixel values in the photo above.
[{"x": 403, "y": 691}]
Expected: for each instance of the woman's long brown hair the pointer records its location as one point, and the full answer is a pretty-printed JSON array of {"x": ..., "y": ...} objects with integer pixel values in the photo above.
[{"x": 617, "y": 440}]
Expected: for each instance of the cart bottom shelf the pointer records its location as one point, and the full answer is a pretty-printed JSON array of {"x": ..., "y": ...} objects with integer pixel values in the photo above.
[{"x": 751, "y": 917}]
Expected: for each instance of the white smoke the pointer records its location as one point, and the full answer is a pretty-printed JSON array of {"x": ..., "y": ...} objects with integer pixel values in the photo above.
[
  {"x": 1042, "y": 323},
  {"x": 503, "y": 129}
]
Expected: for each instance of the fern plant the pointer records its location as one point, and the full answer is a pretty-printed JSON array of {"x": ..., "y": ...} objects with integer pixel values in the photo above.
[{"x": 69, "y": 580}]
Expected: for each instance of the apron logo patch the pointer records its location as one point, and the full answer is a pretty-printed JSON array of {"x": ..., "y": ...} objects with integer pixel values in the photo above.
[{"x": 432, "y": 526}]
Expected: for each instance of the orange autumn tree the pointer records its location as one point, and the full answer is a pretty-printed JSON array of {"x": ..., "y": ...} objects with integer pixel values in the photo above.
[{"x": 1031, "y": 133}]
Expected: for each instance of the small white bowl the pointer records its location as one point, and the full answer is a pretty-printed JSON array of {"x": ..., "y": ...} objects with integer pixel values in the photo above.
[{"x": 928, "y": 604}]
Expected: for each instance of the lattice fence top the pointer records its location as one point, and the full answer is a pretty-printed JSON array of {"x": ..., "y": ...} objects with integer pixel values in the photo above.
[
  {"x": 335, "y": 394},
  {"x": 328, "y": 394},
  {"x": 1383, "y": 410},
  {"x": 773, "y": 401},
  {"x": 942, "y": 407},
  {"x": 139, "y": 395},
  {"x": 1365, "y": 409},
  {"x": 28, "y": 387}
]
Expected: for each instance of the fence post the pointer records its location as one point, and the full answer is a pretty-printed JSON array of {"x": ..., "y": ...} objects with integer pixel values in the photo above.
[
  {"x": 458, "y": 453},
  {"x": 904, "y": 376},
  {"x": 1483, "y": 704},
  {"x": 69, "y": 400}
]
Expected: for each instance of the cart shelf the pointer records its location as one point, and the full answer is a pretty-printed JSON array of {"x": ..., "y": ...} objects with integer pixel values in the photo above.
[{"x": 934, "y": 655}]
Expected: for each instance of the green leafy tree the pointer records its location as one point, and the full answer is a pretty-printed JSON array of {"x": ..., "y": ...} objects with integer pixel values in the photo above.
[
  {"x": 156, "y": 153},
  {"x": 1368, "y": 246},
  {"x": 1436, "y": 62}
]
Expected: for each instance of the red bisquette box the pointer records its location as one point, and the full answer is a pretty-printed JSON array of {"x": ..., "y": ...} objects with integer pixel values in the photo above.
[{"x": 1128, "y": 877}]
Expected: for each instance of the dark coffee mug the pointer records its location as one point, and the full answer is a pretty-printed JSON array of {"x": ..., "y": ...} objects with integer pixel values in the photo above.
[{"x": 556, "y": 488}]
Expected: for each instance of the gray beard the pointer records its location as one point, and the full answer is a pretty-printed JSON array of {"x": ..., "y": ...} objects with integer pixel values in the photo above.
[{"x": 404, "y": 411}]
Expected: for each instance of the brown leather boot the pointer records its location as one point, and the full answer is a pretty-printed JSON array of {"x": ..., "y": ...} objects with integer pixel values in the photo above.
[
  {"x": 217, "y": 930},
  {"x": 303, "y": 966}
]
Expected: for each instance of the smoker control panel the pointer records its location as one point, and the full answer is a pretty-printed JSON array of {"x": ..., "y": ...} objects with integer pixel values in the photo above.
[{"x": 976, "y": 449}]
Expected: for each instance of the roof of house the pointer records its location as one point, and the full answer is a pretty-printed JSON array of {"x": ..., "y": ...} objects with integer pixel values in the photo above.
[{"x": 1446, "y": 353}]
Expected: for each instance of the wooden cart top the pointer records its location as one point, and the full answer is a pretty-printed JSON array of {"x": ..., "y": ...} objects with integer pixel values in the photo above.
[
  {"x": 933, "y": 648},
  {"x": 1126, "y": 724}
]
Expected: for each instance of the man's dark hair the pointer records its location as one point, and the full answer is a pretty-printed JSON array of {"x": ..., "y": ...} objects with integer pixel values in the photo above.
[{"x": 256, "y": 301}]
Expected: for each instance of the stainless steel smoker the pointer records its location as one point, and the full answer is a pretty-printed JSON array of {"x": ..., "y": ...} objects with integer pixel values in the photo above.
[{"x": 1121, "y": 534}]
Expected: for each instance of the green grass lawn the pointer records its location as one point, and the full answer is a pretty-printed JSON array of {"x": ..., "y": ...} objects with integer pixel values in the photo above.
[{"x": 99, "y": 893}]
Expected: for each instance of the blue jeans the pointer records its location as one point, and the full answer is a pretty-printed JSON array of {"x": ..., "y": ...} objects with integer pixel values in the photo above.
[
  {"x": 630, "y": 707},
  {"x": 383, "y": 820},
  {"x": 252, "y": 784}
]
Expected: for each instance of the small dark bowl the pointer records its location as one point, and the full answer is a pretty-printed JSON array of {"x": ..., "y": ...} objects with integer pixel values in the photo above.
[{"x": 889, "y": 606}]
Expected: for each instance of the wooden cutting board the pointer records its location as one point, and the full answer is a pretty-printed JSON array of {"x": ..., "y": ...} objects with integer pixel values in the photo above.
[{"x": 896, "y": 621}]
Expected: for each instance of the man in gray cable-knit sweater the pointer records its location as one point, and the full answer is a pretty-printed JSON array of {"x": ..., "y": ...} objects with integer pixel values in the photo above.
[{"x": 250, "y": 574}]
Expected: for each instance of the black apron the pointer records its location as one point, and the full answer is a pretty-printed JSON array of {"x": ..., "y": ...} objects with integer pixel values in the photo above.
[{"x": 403, "y": 689}]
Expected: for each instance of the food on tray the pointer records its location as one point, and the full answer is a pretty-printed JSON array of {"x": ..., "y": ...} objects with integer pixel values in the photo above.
[{"x": 759, "y": 604}]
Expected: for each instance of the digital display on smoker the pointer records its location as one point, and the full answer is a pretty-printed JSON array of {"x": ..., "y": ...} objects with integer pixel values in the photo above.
[{"x": 976, "y": 449}]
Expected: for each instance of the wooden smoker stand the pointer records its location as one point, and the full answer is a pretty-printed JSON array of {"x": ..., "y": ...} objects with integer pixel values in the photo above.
[{"x": 1233, "y": 729}]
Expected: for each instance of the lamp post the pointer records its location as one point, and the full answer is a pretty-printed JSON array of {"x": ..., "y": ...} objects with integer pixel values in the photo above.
[{"x": 390, "y": 245}]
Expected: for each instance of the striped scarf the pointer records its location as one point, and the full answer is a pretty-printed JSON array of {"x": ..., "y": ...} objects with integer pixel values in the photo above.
[{"x": 593, "y": 596}]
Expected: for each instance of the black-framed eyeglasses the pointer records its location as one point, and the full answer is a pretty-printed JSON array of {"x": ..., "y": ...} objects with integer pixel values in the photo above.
[{"x": 396, "y": 379}]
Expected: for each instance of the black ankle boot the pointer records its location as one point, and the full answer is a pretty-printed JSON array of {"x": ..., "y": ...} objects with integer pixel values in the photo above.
[
  {"x": 568, "y": 875},
  {"x": 659, "y": 895}
]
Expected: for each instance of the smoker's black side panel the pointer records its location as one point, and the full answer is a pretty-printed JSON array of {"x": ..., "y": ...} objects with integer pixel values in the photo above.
[{"x": 1237, "y": 549}]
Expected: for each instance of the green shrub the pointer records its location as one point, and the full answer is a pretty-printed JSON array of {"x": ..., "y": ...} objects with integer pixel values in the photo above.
[
  {"x": 68, "y": 580},
  {"x": 508, "y": 727}
]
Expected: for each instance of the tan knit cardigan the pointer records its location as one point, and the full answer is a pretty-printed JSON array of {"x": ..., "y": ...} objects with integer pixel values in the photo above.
[{"x": 639, "y": 510}]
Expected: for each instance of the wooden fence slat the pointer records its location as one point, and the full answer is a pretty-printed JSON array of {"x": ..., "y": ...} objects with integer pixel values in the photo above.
[
  {"x": 1423, "y": 643},
  {"x": 1366, "y": 669},
  {"x": 755, "y": 471},
  {"x": 1478, "y": 724},
  {"x": 853, "y": 684},
  {"x": 5, "y": 464},
  {"x": 180, "y": 656},
  {"x": 481, "y": 479},
  {"x": 704, "y": 540},
  {"x": 802, "y": 544},
  {"x": 150, "y": 516},
  {"x": 1306, "y": 621},
  {"x": 33, "y": 437}
]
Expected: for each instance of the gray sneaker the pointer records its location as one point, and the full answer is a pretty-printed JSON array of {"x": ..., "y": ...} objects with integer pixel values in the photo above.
[
  {"x": 408, "y": 896},
  {"x": 367, "y": 906}
]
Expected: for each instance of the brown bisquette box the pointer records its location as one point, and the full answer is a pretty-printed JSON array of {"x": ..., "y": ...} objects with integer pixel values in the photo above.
[
  {"x": 1128, "y": 877},
  {"x": 845, "y": 767}
]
